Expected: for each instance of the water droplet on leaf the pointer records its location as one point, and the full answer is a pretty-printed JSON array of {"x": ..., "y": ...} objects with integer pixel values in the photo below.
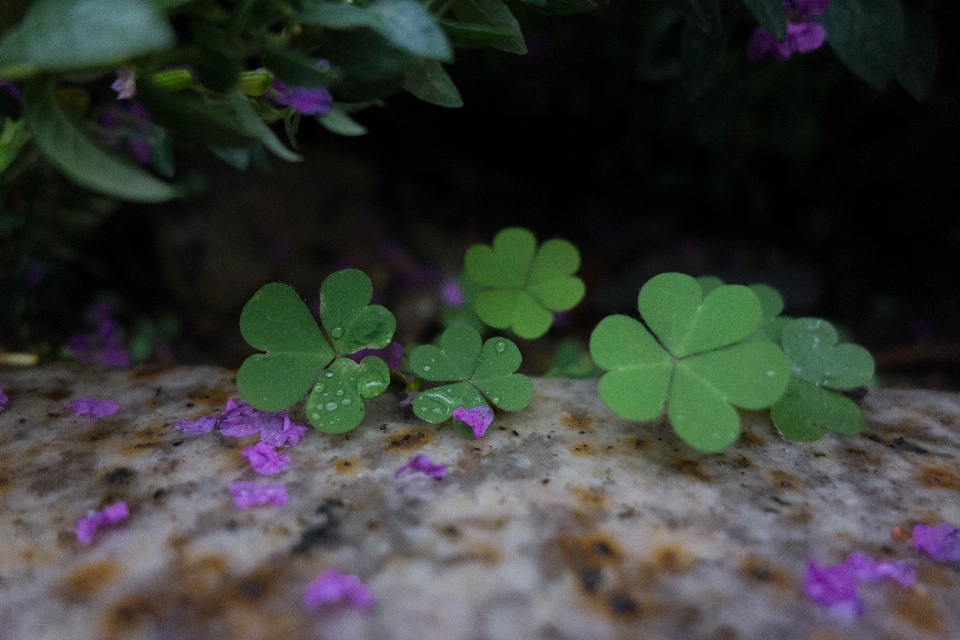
[
  {"x": 332, "y": 406},
  {"x": 501, "y": 347},
  {"x": 329, "y": 374},
  {"x": 321, "y": 387},
  {"x": 496, "y": 400},
  {"x": 346, "y": 401},
  {"x": 426, "y": 367},
  {"x": 337, "y": 332},
  {"x": 339, "y": 392}
]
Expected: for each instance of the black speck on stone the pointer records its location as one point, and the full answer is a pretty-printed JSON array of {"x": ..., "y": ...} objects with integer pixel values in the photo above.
[
  {"x": 514, "y": 432},
  {"x": 622, "y": 604},
  {"x": 120, "y": 475},
  {"x": 590, "y": 579},
  {"x": 178, "y": 443}
]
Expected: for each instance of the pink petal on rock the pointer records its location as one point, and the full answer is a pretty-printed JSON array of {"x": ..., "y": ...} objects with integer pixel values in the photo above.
[
  {"x": 93, "y": 407},
  {"x": 333, "y": 587},
  {"x": 477, "y": 418},
  {"x": 834, "y": 587},
  {"x": 265, "y": 460},
  {"x": 863, "y": 567},
  {"x": 941, "y": 542},
  {"x": 251, "y": 494},
  {"x": 424, "y": 465},
  {"x": 285, "y": 431},
  {"x": 88, "y": 525},
  {"x": 197, "y": 426}
]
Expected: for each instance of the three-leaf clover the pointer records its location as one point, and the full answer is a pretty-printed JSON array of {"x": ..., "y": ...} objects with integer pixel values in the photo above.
[
  {"x": 471, "y": 368},
  {"x": 691, "y": 354},
  {"x": 526, "y": 284},
  {"x": 277, "y": 321},
  {"x": 819, "y": 369}
]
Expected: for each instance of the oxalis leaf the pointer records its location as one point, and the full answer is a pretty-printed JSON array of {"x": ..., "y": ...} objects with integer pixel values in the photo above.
[
  {"x": 277, "y": 321},
  {"x": 525, "y": 284},
  {"x": 471, "y": 368},
  {"x": 819, "y": 368},
  {"x": 691, "y": 356}
]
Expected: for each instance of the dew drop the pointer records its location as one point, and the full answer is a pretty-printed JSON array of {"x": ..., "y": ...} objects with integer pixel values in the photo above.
[
  {"x": 339, "y": 392},
  {"x": 496, "y": 401},
  {"x": 437, "y": 410},
  {"x": 332, "y": 406},
  {"x": 329, "y": 374},
  {"x": 315, "y": 416},
  {"x": 426, "y": 367},
  {"x": 321, "y": 387},
  {"x": 770, "y": 373},
  {"x": 337, "y": 332},
  {"x": 501, "y": 347},
  {"x": 345, "y": 401},
  {"x": 325, "y": 394}
]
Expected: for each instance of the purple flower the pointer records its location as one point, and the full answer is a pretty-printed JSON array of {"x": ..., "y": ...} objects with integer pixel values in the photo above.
[
  {"x": 126, "y": 83},
  {"x": 803, "y": 35},
  {"x": 251, "y": 494},
  {"x": 265, "y": 460},
  {"x": 424, "y": 465},
  {"x": 478, "y": 418},
  {"x": 941, "y": 542},
  {"x": 452, "y": 293},
  {"x": 127, "y": 120},
  {"x": 4, "y": 400},
  {"x": 333, "y": 587},
  {"x": 104, "y": 345},
  {"x": 87, "y": 526},
  {"x": 307, "y": 100},
  {"x": 93, "y": 407},
  {"x": 239, "y": 419},
  {"x": 390, "y": 354},
  {"x": 835, "y": 586}
]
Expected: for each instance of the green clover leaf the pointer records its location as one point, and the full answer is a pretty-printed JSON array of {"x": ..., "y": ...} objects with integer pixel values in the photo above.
[
  {"x": 692, "y": 357},
  {"x": 820, "y": 367},
  {"x": 278, "y": 322},
  {"x": 526, "y": 284},
  {"x": 471, "y": 368}
]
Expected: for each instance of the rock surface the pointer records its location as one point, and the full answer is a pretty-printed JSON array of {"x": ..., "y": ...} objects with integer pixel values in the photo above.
[{"x": 563, "y": 522}]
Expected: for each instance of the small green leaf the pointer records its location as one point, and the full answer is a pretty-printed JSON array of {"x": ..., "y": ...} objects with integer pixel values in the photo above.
[
  {"x": 700, "y": 414},
  {"x": 495, "y": 14},
  {"x": 453, "y": 358},
  {"x": 428, "y": 81},
  {"x": 526, "y": 284},
  {"x": 806, "y": 409},
  {"x": 62, "y": 35},
  {"x": 277, "y": 321},
  {"x": 771, "y": 16},
  {"x": 750, "y": 375},
  {"x": 296, "y": 69},
  {"x": 191, "y": 117},
  {"x": 473, "y": 36},
  {"x": 337, "y": 121},
  {"x": 12, "y": 139},
  {"x": 257, "y": 128},
  {"x": 351, "y": 324},
  {"x": 868, "y": 36},
  {"x": 494, "y": 375},
  {"x": 571, "y": 360},
  {"x": 80, "y": 158},
  {"x": 336, "y": 403},
  {"x": 437, "y": 405},
  {"x": 811, "y": 346},
  {"x": 771, "y": 322}
]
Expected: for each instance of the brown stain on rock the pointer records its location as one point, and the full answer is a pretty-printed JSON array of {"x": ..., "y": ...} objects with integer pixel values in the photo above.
[
  {"x": 673, "y": 558},
  {"x": 90, "y": 579},
  {"x": 765, "y": 571},
  {"x": 57, "y": 394},
  {"x": 6, "y": 480},
  {"x": 938, "y": 478},
  {"x": 582, "y": 449},
  {"x": 575, "y": 420},
  {"x": 145, "y": 372},
  {"x": 785, "y": 481},
  {"x": 211, "y": 396},
  {"x": 691, "y": 468},
  {"x": 590, "y": 498},
  {"x": 918, "y": 610},
  {"x": 409, "y": 439},
  {"x": 749, "y": 439},
  {"x": 126, "y": 616},
  {"x": 203, "y": 577},
  {"x": 935, "y": 575},
  {"x": 346, "y": 465}
]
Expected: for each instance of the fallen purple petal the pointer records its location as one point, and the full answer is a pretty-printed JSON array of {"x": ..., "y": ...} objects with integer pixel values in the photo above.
[
  {"x": 88, "y": 525},
  {"x": 941, "y": 542},
  {"x": 251, "y": 494},
  {"x": 277, "y": 434},
  {"x": 477, "y": 418},
  {"x": 333, "y": 587},
  {"x": 863, "y": 567},
  {"x": 93, "y": 407},
  {"x": 265, "y": 460},
  {"x": 424, "y": 465},
  {"x": 126, "y": 84},
  {"x": 834, "y": 587},
  {"x": 4, "y": 400},
  {"x": 197, "y": 426}
]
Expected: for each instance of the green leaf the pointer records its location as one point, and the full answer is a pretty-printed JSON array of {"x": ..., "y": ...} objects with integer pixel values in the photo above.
[
  {"x": 465, "y": 313},
  {"x": 80, "y": 158},
  {"x": 771, "y": 16},
  {"x": 277, "y": 321},
  {"x": 749, "y": 375},
  {"x": 61, "y": 35},
  {"x": 672, "y": 306},
  {"x": 460, "y": 358},
  {"x": 868, "y": 36},
  {"x": 254, "y": 126},
  {"x": 351, "y": 324},
  {"x": 806, "y": 409},
  {"x": 12, "y": 139},
  {"x": 472, "y": 36},
  {"x": 703, "y": 15},
  {"x": 526, "y": 284},
  {"x": 701, "y": 55},
  {"x": 811, "y": 346},
  {"x": 428, "y": 81},
  {"x": 336, "y": 403},
  {"x": 918, "y": 66},
  {"x": 571, "y": 360},
  {"x": 495, "y": 14},
  {"x": 699, "y": 413},
  {"x": 406, "y": 24},
  {"x": 191, "y": 117},
  {"x": 337, "y": 121},
  {"x": 771, "y": 322},
  {"x": 298, "y": 70}
]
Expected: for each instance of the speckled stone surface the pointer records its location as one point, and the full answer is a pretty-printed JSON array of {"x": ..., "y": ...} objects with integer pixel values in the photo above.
[{"x": 564, "y": 522}]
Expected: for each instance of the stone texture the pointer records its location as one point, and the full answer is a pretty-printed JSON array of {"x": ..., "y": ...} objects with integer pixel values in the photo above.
[{"x": 563, "y": 522}]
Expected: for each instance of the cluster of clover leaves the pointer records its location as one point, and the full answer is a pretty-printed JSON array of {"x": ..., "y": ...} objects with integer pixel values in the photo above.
[
  {"x": 512, "y": 284},
  {"x": 701, "y": 349}
]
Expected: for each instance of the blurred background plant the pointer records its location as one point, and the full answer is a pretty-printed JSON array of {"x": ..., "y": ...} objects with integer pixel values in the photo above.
[{"x": 135, "y": 168}]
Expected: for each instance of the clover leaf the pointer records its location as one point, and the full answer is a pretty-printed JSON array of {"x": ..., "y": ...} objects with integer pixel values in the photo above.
[
  {"x": 277, "y": 321},
  {"x": 525, "y": 284},
  {"x": 474, "y": 371},
  {"x": 819, "y": 369},
  {"x": 690, "y": 355}
]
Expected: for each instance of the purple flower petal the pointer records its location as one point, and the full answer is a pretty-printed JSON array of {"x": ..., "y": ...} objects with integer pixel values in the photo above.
[
  {"x": 424, "y": 465},
  {"x": 941, "y": 542},
  {"x": 333, "y": 587},
  {"x": 390, "y": 354},
  {"x": 834, "y": 587},
  {"x": 804, "y": 37},
  {"x": 307, "y": 100},
  {"x": 806, "y": 8},
  {"x": 93, "y": 407},
  {"x": 239, "y": 419},
  {"x": 863, "y": 567},
  {"x": 197, "y": 426},
  {"x": 452, "y": 293},
  {"x": 126, "y": 84},
  {"x": 251, "y": 494},
  {"x": 265, "y": 460},
  {"x": 87, "y": 526},
  {"x": 4, "y": 400},
  {"x": 284, "y": 431},
  {"x": 478, "y": 418}
]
